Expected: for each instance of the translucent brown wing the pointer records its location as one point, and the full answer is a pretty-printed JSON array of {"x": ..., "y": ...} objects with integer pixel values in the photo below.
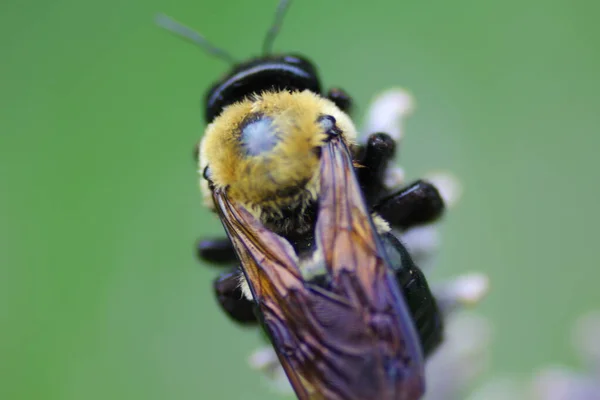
[
  {"x": 270, "y": 266},
  {"x": 360, "y": 273},
  {"x": 353, "y": 341}
]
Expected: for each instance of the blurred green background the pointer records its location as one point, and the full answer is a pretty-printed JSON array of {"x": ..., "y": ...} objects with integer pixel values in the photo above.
[{"x": 100, "y": 293}]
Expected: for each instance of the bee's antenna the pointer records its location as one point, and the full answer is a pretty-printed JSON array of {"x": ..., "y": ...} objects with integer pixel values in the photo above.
[
  {"x": 185, "y": 32},
  {"x": 276, "y": 26}
]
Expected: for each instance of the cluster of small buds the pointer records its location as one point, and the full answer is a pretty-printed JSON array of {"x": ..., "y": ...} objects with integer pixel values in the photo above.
[
  {"x": 562, "y": 383},
  {"x": 463, "y": 354},
  {"x": 558, "y": 382},
  {"x": 461, "y": 359}
]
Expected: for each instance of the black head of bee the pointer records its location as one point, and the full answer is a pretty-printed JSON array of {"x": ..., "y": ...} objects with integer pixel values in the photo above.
[{"x": 269, "y": 73}]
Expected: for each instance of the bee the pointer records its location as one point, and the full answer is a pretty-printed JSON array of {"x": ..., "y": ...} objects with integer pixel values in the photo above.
[{"x": 309, "y": 217}]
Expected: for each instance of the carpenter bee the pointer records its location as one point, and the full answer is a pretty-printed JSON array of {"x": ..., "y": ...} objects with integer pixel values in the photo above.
[{"x": 309, "y": 217}]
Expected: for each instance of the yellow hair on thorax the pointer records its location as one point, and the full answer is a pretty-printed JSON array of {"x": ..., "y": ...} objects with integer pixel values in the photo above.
[{"x": 286, "y": 174}]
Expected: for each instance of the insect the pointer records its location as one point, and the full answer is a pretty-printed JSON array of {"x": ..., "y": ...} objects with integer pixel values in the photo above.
[{"x": 309, "y": 216}]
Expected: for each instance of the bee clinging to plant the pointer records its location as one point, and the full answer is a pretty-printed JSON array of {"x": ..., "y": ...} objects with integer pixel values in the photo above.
[{"x": 310, "y": 216}]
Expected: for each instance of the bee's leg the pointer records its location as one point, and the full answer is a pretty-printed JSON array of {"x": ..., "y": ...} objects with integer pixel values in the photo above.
[
  {"x": 341, "y": 99},
  {"x": 232, "y": 300},
  {"x": 418, "y": 204},
  {"x": 423, "y": 241},
  {"x": 375, "y": 156},
  {"x": 218, "y": 251}
]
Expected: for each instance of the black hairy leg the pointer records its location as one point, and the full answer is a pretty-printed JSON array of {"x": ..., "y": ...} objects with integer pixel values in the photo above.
[
  {"x": 217, "y": 251},
  {"x": 231, "y": 299},
  {"x": 374, "y": 158},
  {"x": 417, "y": 204}
]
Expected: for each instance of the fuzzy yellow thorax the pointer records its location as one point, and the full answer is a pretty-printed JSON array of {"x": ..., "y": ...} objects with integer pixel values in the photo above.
[{"x": 264, "y": 149}]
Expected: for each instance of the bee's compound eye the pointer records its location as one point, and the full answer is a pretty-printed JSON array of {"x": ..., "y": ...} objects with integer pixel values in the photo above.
[
  {"x": 258, "y": 134},
  {"x": 328, "y": 124},
  {"x": 206, "y": 174}
]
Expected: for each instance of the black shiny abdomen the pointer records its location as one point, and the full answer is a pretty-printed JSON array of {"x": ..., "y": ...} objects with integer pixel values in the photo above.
[
  {"x": 416, "y": 292},
  {"x": 284, "y": 72}
]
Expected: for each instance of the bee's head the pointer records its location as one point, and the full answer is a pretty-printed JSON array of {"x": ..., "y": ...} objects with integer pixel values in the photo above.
[
  {"x": 265, "y": 149},
  {"x": 268, "y": 73}
]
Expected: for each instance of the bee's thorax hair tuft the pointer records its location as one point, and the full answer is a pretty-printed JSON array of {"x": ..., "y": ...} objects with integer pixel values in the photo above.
[{"x": 264, "y": 151}]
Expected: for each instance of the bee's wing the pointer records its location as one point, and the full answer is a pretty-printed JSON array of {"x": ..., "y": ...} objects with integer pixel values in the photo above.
[
  {"x": 270, "y": 266},
  {"x": 360, "y": 273},
  {"x": 355, "y": 342}
]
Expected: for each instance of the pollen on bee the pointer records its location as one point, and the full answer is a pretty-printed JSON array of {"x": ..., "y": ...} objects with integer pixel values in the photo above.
[{"x": 259, "y": 134}]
